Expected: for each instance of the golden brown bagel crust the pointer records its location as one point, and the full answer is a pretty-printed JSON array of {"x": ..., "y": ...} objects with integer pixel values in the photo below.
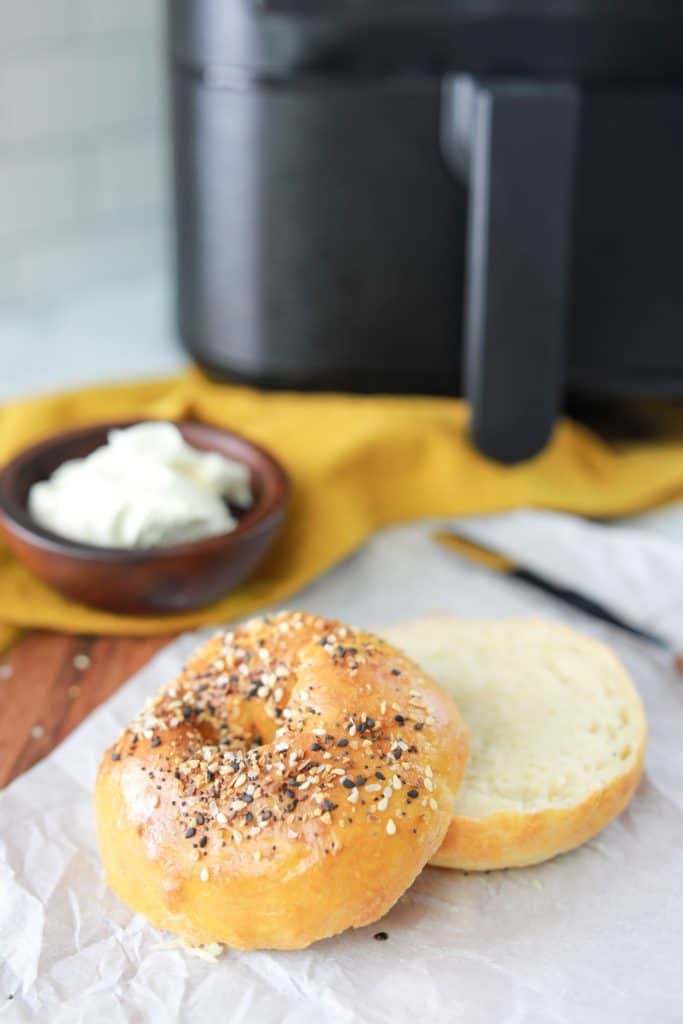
[{"x": 290, "y": 784}]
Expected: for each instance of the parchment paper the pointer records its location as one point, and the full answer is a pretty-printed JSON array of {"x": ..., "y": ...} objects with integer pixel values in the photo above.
[{"x": 593, "y": 936}]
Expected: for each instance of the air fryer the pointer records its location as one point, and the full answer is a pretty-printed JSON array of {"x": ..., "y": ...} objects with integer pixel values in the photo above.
[{"x": 444, "y": 196}]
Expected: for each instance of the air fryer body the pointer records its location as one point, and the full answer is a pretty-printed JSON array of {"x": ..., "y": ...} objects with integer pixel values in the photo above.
[
  {"x": 332, "y": 234},
  {"x": 320, "y": 235}
]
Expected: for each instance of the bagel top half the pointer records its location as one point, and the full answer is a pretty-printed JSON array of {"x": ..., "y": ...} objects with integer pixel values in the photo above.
[{"x": 291, "y": 783}]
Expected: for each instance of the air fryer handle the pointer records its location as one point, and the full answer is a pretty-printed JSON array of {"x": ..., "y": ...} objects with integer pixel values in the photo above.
[{"x": 514, "y": 142}]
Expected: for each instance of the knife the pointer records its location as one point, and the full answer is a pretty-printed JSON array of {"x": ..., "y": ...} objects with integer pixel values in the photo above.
[{"x": 570, "y": 597}]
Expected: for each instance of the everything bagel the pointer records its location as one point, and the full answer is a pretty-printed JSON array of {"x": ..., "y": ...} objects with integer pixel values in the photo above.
[{"x": 291, "y": 783}]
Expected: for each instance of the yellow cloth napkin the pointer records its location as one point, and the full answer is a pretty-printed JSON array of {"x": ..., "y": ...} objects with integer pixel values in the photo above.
[{"x": 356, "y": 462}]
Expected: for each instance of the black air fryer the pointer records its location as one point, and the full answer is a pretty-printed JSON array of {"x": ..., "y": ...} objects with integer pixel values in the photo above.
[{"x": 444, "y": 196}]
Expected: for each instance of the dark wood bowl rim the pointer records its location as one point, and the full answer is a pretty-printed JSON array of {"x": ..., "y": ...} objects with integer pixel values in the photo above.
[{"x": 256, "y": 520}]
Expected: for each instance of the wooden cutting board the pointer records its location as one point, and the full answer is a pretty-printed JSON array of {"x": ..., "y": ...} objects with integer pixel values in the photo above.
[{"x": 49, "y": 682}]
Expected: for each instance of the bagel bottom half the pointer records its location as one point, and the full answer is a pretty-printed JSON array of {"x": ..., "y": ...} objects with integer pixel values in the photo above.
[{"x": 557, "y": 736}]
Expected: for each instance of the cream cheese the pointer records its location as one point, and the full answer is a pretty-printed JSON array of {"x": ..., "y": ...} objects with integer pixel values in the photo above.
[{"x": 145, "y": 488}]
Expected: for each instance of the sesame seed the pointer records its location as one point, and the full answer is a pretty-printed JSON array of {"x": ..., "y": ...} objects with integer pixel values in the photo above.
[
  {"x": 204, "y": 874},
  {"x": 433, "y": 804},
  {"x": 391, "y": 827},
  {"x": 192, "y": 831},
  {"x": 429, "y": 785},
  {"x": 396, "y": 782},
  {"x": 348, "y": 783},
  {"x": 203, "y": 841},
  {"x": 353, "y": 796}
]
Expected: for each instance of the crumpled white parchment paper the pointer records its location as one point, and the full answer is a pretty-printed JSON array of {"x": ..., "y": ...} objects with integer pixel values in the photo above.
[{"x": 593, "y": 936}]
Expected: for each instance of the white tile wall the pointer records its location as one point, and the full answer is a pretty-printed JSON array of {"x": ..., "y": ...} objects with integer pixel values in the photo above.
[
  {"x": 29, "y": 22},
  {"x": 84, "y": 176},
  {"x": 39, "y": 195},
  {"x": 127, "y": 174},
  {"x": 49, "y": 97}
]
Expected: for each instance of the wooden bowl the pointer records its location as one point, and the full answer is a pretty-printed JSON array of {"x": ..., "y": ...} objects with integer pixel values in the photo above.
[{"x": 151, "y": 581}]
